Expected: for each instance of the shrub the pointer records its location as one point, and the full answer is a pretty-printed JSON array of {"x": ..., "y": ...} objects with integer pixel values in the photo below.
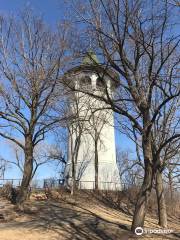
[{"x": 9, "y": 192}]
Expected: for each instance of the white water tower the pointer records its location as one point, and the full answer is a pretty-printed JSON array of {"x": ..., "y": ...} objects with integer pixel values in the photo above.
[{"x": 95, "y": 125}]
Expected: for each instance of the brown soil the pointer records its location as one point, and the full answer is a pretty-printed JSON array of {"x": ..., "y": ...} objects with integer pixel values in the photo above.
[{"x": 72, "y": 219}]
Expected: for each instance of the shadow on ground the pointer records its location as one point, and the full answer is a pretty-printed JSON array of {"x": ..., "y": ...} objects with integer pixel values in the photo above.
[
  {"x": 75, "y": 221},
  {"x": 72, "y": 222}
]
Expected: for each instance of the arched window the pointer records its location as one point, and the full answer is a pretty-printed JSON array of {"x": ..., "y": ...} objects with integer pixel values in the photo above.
[
  {"x": 100, "y": 83},
  {"x": 85, "y": 81}
]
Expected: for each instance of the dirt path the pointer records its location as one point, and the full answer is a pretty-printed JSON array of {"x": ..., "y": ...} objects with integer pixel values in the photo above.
[{"x": 73, "y": 220}]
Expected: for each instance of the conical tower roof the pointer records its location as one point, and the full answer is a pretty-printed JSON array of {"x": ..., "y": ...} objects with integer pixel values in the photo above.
[{"x": 90, "y": 63}]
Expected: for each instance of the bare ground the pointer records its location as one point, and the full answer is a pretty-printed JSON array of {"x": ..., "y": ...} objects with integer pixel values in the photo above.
[{"x": 73, "y": 219}]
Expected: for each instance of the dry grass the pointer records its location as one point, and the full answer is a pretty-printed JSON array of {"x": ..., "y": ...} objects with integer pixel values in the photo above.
[{"x": 80, "y": 217}]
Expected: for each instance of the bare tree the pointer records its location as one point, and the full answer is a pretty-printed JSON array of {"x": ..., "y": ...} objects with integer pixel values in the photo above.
[
  {"x": 172, "y": 174},
  {"x": 131, "y": 170},
  {"x": 96, "y": 123},
  {"x": 31, "y": 57},
  {"x": 164, "y": 150},
  {"x": 3, "y": 167},
  {"x": 43, "y": 154},
  {"x": 76, "y": 125},
  {"x": 58, "y": 156},
  {"x": 137, "y": 40}
]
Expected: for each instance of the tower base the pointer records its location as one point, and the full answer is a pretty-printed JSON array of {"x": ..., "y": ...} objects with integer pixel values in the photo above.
[{"x": 108, "y": 178}]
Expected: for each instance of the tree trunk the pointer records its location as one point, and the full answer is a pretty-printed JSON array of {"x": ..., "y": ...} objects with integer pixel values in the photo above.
[
  {"x": 74, "y": 163},
  {"x": 170, "y": 185},
  {"x": 96, "y": 167},
  {"x": 141, "y": 205},
  {"x": 162, "y": 214},
  {"x": 27, "y": 173},
  {"x": 73, "y": 184},
  {"x": 145, "y": 191}
]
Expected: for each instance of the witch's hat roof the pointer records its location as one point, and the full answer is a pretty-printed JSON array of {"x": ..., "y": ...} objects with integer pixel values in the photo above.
[{"x": 90, "y": 63}]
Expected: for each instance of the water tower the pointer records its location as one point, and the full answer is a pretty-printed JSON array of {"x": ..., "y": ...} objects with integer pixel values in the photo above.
[{"x": 91, "y": 132}]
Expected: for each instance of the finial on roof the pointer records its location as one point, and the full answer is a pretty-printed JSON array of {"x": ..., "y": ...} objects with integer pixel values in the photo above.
[{"x": 90, "y": 58}]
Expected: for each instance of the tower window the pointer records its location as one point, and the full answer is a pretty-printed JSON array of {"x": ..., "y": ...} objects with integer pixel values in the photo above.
[
  {"x": 85, "y": 81},
  {"x": 100, "y": 83}
]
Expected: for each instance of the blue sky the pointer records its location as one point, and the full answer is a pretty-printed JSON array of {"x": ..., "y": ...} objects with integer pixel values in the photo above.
[{"x": 52, "y": 11}]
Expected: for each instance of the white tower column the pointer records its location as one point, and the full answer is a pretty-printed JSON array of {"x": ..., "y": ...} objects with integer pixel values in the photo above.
[{"x": 88, "y": 122}]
